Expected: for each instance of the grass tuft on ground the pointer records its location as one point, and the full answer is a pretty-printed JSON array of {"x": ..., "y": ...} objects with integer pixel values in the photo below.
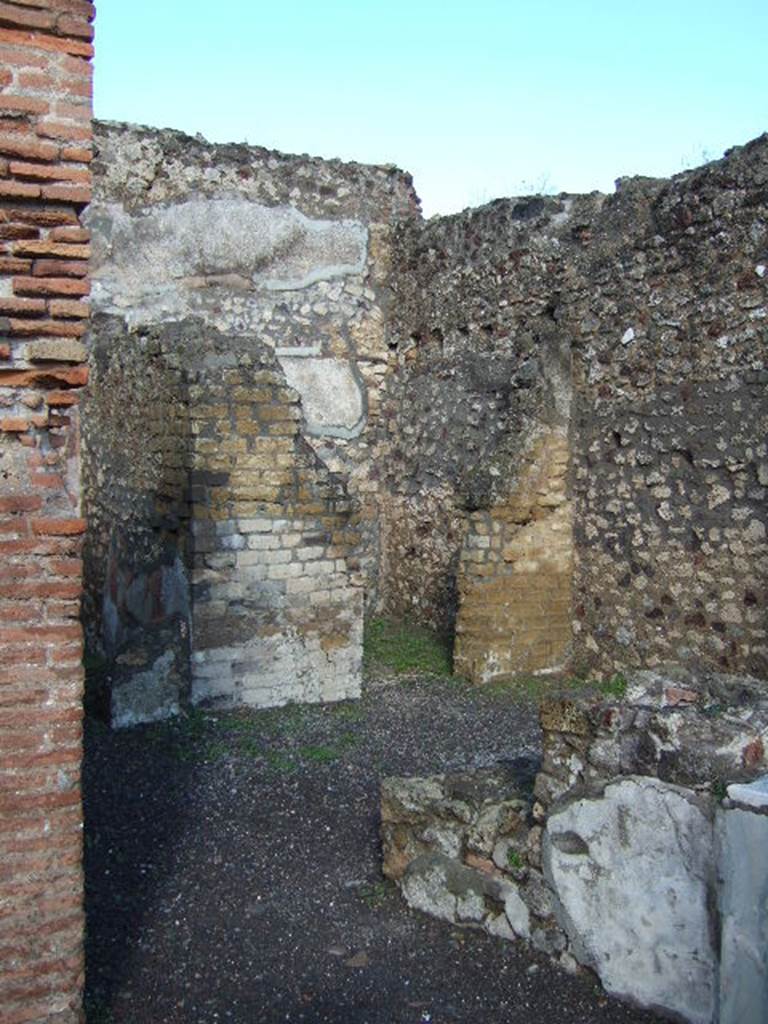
[
  {"x": 537, "y": 688},
  {"x": 406, "y": 648}
]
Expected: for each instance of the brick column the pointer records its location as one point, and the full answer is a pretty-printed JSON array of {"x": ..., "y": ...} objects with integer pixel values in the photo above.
[{"x": 45, "y": 149}]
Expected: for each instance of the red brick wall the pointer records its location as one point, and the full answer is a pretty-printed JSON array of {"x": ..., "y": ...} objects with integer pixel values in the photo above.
[{"x": 45, "y": 149}]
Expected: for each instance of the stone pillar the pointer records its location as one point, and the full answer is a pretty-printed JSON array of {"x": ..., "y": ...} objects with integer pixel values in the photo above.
[{"x": 515, "y": 574}]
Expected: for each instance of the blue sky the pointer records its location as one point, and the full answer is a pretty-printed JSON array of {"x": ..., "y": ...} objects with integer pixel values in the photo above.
[{"x": 476, "y": 99}]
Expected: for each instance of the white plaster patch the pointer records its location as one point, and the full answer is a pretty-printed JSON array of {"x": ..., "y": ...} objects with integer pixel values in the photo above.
[
  {"x": 331, "y": 395},
  {"x": 299, "y": 351},
  {"x": 159, "y": 261},
  {"x": 149, "y": 696}
]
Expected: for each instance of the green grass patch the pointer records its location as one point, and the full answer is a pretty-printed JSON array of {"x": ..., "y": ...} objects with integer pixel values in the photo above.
[
  {"x": 216, "y": 750},
  {"x": 203, "y": 736},
  {"x": 515, "y": 860},
  {"x": 374, "y": 894},
  {"x": 320, "y": 755},
  {"x": 719, "y": 789},
  {"x": 349, "y": 711},
  {"x": 536, "y": 688},
  {"x": 532, "y": 688},
  {"x": 405, "y": 648},
  {"x": 616, "y": 686},
  {"x": 280, "y": 762},
  {"x": 194, "y": 725},
  {"x": 272, "y": 735},
  {"x": 283, "y": 721},
  {"x": 249, "y": 746}
]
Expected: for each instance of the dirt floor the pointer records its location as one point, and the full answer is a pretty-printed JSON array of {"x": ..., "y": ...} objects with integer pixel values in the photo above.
[{"x": 233, "y": 871}]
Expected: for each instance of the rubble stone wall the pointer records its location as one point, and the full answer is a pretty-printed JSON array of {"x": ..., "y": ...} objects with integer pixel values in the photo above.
[
  {"x": 670, "y": 422},
  {"x": 636, "y": 323},
  {"x": 45, "y": 150},
  {"x": 549, "y": 413},
  {"x": 483, "y": 370}
]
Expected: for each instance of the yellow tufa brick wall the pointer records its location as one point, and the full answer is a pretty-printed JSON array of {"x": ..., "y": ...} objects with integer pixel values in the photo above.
[
  {"x": 515, "y": 574},
  {"x": 277, "y": 607}
]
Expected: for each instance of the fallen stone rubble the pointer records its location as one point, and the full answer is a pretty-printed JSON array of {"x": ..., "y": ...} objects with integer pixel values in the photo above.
[{"x": 620, "y": 852}]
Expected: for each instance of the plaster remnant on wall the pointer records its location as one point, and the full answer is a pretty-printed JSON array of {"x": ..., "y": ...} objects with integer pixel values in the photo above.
[
  {"x": 154, "y": 262},
  {"x": 331, "y": 396}
]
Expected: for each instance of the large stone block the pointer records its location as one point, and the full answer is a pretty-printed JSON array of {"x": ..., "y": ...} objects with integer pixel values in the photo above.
[
  {"x": 634, "y": 874},
  {"x": 742, "y": 832},
  {"x": 461, "y": 848},
  {"x": 444, "y": 888}
]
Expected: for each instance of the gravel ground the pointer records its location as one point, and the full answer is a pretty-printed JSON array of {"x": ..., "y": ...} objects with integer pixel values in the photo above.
[{"x": 233, "y": 871}]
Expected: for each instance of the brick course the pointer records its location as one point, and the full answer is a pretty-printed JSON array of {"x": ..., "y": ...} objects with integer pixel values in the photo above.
[{"x": 46, "y": 82}]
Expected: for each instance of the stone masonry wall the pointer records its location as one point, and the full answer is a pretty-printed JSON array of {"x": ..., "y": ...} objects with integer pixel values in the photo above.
[
  {"x": 137, "y": 548},
  {"x": 483, "y": 369},
  {"x": 286, "y": 257},
  {"x": 220, "y": 550},
  {"x": 670, "y": 350},
  {"x": 431, "y": 357},
  {"x": 45, "y": 149},
  {"x": 294, "y": 251},
  {"x": 277, "y": 610},
  {"x": 636, "y": 323}
]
